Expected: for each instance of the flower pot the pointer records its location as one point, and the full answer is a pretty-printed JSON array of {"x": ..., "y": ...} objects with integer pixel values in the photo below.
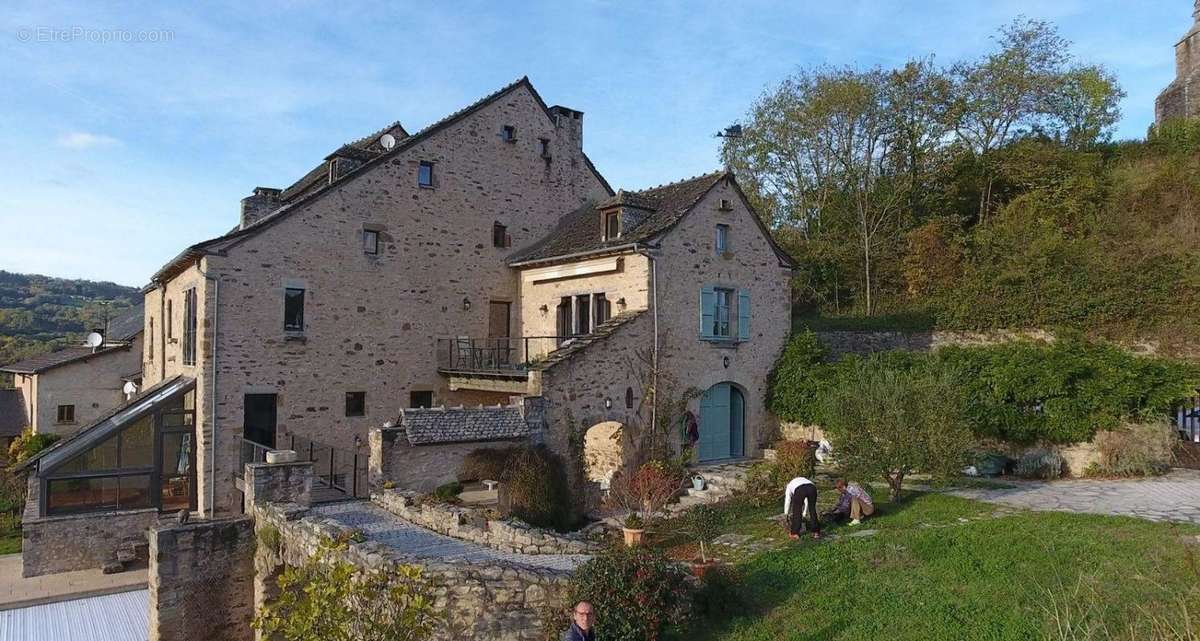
[
  {"x": 700, "y": 568},
  {"x": 633, "y": 537},
  {"x": 697, "y": 483}
]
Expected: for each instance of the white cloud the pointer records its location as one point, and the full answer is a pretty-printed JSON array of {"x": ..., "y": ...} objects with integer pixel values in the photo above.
[{"x": 85, "y": 140}]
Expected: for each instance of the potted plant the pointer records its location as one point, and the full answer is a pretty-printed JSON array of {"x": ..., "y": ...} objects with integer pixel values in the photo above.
[
  {"x": 634, "y": 530},
  {"x": 704, "y": 523}
]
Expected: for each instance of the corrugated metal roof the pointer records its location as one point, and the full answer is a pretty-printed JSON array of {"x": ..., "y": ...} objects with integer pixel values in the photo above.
[{"x": 112, "y": 617}]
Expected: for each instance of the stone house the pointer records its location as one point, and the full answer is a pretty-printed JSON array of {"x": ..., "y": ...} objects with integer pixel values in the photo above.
[
  {"x": 61, "y": 391},
  {"x": 1181, "y": 98},
  {"x": 482, "y": 261}
]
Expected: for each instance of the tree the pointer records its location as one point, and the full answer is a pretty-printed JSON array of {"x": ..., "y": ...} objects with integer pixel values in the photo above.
[
  {"x": 1085, "y": 106},
  {"x": 328, "y": 599},
  {"x": 888, "y": 422}
]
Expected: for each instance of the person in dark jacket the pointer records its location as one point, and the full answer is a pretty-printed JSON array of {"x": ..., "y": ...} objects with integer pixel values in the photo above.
[{"x": 582, "y": 618}]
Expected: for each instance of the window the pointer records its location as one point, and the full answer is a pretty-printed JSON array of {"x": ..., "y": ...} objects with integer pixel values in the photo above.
[
  {"x": 499, "y": 235},
  {"x": 612, "y": 225},
  {"x": 600, "y": 301},
  {"x": 370, "y": 240},
  {"x": 170, "y": 325},
  {"x": 420, "y": 399},
  {"x": 189, "y": 327},
  {"x": 724, "y": 314},
  {"x": 293, "y": 309},
  {"x": 509, "y": 133},
  {"x": 563, "y": 318},
  {"x": 629, "y": 398},
  {"x": 545, "y": 142},
  {"x": 722, "y": 239},
  {"x": 150, "y": 339},
  {"x": 725, "y": 205},
  {"x": 66, "y": 414},
  {"x": 583, "y": 321},
  {"x": 356, "y": 403},
  {"x": 425, "y": 174}
]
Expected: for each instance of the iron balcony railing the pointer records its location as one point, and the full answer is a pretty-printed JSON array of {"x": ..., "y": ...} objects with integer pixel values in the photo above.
[
  {"x": 512, "y": 355},
  {"x": 341, "y": 470}
]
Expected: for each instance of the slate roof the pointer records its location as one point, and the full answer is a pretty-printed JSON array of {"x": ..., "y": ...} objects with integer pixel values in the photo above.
[
  {"x": 579, "y": 231},
  {"x": 50, "y": 360},
  {"x": 222, "y": 243},
  {"x": 128, "y": 325},
  {"x": 12, "y": 412},
  {"x": 576, "y": 345},
  {"x": 430, "y": 426}
]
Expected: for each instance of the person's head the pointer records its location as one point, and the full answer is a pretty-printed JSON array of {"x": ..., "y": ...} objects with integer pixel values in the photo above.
[
  {"x": 583, "y": 615},
  {"x": 840, "y": 484}
]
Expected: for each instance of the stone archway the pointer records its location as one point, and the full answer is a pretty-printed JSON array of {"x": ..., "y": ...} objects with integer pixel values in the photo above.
[{"x": 603, "y": 451}]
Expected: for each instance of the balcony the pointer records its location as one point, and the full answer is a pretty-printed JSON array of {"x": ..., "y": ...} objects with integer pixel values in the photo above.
[{"x": 494, "y": 364}]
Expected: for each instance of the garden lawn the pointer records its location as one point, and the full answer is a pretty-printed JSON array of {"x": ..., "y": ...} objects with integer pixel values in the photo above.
[{"x": 944, "y": 568}]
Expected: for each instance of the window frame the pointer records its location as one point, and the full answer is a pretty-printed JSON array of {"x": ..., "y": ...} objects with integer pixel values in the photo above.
[
  {"x": 189, "y": 326},
  {"x": 500, "y": 235},
  {"x": 370, "y": 242},
  {"x": 356, "y": 399},
  {"x": 730, "y": 296},
  {"x": 412, "y": 399},
  {"x": 70, "y": 409},
  {"x": 721, "y": 243},
  {"x": 612, "y": 225},
  {"x": 508, "y": 133},
  {"x": 423, "y": 167},
  {"x": 293, "y": 328}
]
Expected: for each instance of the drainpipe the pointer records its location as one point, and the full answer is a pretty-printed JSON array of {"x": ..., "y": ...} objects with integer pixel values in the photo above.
[{"x": 212, "y": 403}]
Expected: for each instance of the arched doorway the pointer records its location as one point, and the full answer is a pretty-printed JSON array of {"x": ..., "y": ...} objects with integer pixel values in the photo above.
[
  {"x": 603, "y": 452},
  {"x": 722, "y": 423}
]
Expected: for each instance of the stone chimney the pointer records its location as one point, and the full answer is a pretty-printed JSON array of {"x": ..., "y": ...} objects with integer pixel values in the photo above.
[
  {"x": 569, "y": 123},
  {"x": 263, "y": 201}
]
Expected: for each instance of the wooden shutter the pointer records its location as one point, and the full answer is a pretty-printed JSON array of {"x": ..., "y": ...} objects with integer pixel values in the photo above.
[
  {"x": 743, "y": 314},
  {"x": 708, "y": 304}
]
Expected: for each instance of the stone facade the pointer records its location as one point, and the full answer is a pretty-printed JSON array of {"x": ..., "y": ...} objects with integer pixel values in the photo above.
[
  {"x": 420, "y": 468},
  {"x": 371, "y": 322},
  {"x": 508, "y": 535},
  {"x": 92, "y": 385},
  {"x": 202, "y": 581},
  {"x": 53, "y": 544},
  {"x": 1181, "y": 98},
  {"x": 620, "y": 278}
]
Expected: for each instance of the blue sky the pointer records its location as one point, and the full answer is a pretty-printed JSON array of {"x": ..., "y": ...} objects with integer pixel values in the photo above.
[{"x": 119, "y": 154}]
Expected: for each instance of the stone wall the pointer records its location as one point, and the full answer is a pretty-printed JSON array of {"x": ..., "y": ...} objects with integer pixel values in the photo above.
[
  {"x": 619, "y": 278},
  {"x": 202, "y": 581},
  {"x": 841, "y": 343},
  {"x": 1181, "y": 98},
  {"x": 289, "y": 482},
  {"x": 52, "y": 544},
  {"x": 420, "y": 468},
  {"x": 509, "y": 535}
]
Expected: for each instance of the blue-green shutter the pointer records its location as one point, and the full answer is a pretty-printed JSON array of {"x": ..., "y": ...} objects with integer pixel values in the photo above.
[
  {"x": 708, "y": 303},
  {"x": 744, "y": 314}
]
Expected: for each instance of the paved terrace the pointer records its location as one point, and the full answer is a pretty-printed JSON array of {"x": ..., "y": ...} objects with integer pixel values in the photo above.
[
  {"x": 1171, "y": 497},
  {"x": 380, "y": 525}
]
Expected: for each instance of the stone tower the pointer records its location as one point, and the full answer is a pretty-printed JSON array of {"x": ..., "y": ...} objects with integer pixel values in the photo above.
[{"x": 1181, "y": 98}]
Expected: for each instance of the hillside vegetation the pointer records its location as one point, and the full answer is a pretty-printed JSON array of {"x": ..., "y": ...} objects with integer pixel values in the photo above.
[{"x": 41, "y": 313}]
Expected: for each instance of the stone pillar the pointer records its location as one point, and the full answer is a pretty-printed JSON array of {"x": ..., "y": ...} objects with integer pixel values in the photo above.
[
  {"x": 287, "y": 481},
  {"x": 382, "y": 444},
  {"x": 201, "y": 581}
]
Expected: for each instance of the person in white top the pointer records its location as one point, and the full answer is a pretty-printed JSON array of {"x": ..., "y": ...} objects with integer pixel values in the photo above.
[{"x": 799, "y": 503}]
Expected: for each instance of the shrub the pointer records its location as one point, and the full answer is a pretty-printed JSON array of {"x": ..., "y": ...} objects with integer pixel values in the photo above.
[
  {"x": 800, "y": 378},
  {"x": 1137, "y": 449},
  {"x": 331, "y": 599},
  {"x": 537, "y": 489},
  {"x": 448, "y": 491},
  {"x": 764, "y": 483},
  {"x": 1039, "y": 463},
  {"x": 885, "y": 422},
  {"x": 637, "y": 593},
  {"x": 704, "y": 523},
  {"x": 646, "y": 491},
  {"x": 487, "y": 463},
  {"x": 796, "y": 458},
  {"x": 29, "y": 444},
  {"x": 720, "y": 597}
]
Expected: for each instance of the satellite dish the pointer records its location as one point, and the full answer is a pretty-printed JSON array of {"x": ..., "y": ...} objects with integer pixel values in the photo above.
[
  {"x": 130, "y": 388},
  {"x": 94, "y": 339},
  {"x": 387, "y": 141}
]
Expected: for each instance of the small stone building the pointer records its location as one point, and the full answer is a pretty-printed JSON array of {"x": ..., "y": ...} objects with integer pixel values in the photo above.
[{"x": 1181, "y": 98}]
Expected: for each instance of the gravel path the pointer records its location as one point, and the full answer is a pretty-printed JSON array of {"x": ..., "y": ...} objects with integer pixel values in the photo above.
[
  {"x": 1172, "y": 497},
  {"x": 387, "y": 528}
]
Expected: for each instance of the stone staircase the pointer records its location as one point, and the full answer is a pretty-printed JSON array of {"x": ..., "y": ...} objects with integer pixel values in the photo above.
[{"x": 721, "y": 480}]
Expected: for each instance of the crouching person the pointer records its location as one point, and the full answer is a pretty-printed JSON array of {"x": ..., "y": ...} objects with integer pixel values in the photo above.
[
  {"x": 853, "y": 502},
  {"x": 799, "y": 504}
]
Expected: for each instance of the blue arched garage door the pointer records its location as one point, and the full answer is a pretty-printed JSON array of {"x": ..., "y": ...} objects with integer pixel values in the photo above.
[{"x": 722, "y": 423}]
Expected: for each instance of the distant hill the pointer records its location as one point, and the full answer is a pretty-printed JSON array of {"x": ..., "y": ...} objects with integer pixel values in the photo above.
[{"x": 41, "y": 313}]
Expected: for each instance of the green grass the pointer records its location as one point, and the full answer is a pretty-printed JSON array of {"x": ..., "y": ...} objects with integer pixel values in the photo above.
[
  {"x": 10, "y": 542},
  {"x": 927, "y": 575}
]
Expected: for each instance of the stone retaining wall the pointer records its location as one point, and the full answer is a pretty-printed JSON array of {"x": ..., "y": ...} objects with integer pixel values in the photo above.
[
  {"x": 510, "y": 535},
  {"x": 497, "y": 601},
  {"x": 864, "y": 342}
]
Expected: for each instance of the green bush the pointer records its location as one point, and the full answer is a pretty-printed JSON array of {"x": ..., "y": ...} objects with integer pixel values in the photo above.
[
  {"x": 721, "y": 596},
  {"x": 764, "y": 482},
  {"x": 796, "y": 458},
  {"x": 888, "y": 423},
  {"x": 638, "y": 593},
  {"x": 538, "y": 490},
  {"x": 800, "y": 378},
  {"x": 448, "y": 491},
  {"x": 29, "y": 444},
  {"x": 487, "y": 463},
  {"x": 1137, "y": 449},
  {"x": 704, "y": 523}
]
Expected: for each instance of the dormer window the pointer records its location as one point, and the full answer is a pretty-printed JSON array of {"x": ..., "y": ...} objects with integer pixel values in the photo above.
[
  {"x": 508, "y": 133},
  {"x": 612, "y": 225}
]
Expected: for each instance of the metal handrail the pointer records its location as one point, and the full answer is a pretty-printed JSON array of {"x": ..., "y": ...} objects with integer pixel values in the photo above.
[
  {"x": 342, "y": 470},
  {"x": 505, "y": 355}
]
